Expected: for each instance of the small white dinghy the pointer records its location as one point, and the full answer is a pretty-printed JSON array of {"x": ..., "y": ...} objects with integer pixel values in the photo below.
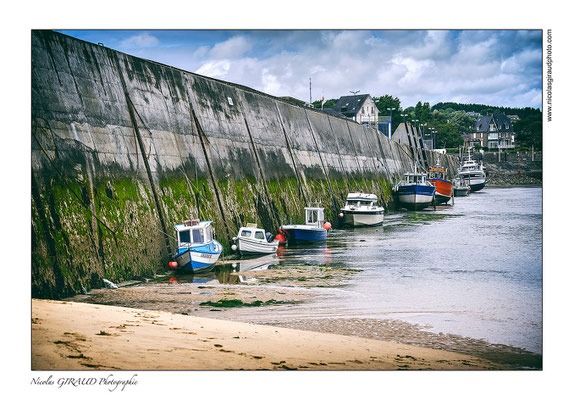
[{"x": 254, "y": 240}]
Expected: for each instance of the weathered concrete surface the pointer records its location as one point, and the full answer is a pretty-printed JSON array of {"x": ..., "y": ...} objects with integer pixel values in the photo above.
[{"x": 124, "y": 148}]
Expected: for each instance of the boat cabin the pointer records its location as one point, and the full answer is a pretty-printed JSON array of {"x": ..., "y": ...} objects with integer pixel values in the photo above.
[
  {"x": 415, "y": 178},
  {"x": 252, "y": 232},
  {"x": 361, "y": 199},
  {"x": 314, "y": 216},
  {"x": 437, "y": 173},
  {"x": 193, "y": 232}
]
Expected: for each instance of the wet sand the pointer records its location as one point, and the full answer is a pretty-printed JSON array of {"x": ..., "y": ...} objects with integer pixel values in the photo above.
[
  {"x": 77, "y": 336},
  {"x": 278, "y": 296}
]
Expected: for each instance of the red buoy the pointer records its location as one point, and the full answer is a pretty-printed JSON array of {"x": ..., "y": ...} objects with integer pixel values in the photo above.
[
  {"x": 327, "y": 225},
  {"x": 173, "y": 264},
  {"x": 281, "y": 238}
]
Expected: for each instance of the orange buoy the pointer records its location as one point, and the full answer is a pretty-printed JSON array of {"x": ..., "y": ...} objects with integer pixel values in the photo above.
[
  {"x": 327, "y": 225},
  {"x": 173, "y": 264}
]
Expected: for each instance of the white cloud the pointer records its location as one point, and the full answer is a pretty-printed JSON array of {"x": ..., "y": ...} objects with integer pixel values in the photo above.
[
  {"x": 141, "y": 40},
  {"x": 215, "y": 69},
  {"x": 235, "y": 47},
  {"x": 491, "y": 67}
]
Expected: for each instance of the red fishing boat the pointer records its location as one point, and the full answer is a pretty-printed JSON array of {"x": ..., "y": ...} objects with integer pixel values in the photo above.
[{"x": 437, "y": 177}]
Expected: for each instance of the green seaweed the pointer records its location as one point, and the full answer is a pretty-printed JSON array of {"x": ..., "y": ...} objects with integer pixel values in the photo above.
[{"x": 229, "y": 303}]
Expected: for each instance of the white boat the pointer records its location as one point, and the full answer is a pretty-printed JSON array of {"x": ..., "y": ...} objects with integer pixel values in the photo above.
[
  {"x": 254, "y": 240},
  {"x": 361, "y": 209},
  {"x": 473, "y": 173}
]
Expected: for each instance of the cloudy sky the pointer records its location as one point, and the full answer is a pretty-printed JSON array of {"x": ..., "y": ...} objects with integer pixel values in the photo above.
[{"x": 495, "y": 67}]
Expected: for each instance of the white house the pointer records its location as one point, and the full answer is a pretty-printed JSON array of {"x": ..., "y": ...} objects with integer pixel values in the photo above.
[{"x": 360, "y": 108}]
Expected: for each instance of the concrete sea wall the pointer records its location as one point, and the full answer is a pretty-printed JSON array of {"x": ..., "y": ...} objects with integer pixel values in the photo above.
[{"x": 124, "y": 148}]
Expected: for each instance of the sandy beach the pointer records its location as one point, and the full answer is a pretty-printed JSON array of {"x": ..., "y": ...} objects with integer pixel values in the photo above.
[{"x": 78, "y": 336}]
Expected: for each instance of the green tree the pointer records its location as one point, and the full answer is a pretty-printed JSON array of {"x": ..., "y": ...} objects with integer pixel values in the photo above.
[
  {"x": 423, "y": 112},
  {"x": 529, "y": 131},
  {"x": 447, "y": 136},
  {"x": 462, "y": 121},
  {"x": 388, "y": 101},
  {"x": 327, "y": 104}
]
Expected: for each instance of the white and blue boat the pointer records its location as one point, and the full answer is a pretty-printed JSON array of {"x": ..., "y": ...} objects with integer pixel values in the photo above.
[
  {"x": 314, "y": 229},
  {"x": 197, "y": 250},
  {"x": 415, "y": 192},
  {"x": 473, "y": 173}
]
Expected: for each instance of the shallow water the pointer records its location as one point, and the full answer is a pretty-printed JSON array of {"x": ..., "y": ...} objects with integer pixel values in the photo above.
[
  {"x": 465, "y": 278},
  {"x": 473, "y": 269}
]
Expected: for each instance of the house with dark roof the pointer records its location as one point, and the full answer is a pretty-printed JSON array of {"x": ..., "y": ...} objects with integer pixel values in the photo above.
[
  {"x": 360, "y": 108},
  {"x": 492, "y": 131}
]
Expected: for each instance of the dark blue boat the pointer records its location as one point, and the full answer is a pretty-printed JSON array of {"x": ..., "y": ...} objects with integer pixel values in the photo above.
[
  {"x": 314, "y": 229},
  {"x": 415, "y": 192}
]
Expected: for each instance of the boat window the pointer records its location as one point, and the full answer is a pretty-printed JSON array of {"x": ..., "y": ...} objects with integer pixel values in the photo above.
[
  {"x": 245, "y": 233},
  {"x": 184, "y": 236},
  {"x": 208, "y": 234},
  {"x": 197, "y": 235},
  {"x": 259, "y": 235},
  {"x": 311, "y": 216}
]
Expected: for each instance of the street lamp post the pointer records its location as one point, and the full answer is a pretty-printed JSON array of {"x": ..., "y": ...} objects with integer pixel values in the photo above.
[
  {"x": 391, "y": 124},
  {"x": 431, "y": 131},
  {"x": 405, "y": 118}
]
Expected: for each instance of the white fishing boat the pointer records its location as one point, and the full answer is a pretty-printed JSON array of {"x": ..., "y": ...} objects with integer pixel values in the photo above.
[
  {"x": 473, "y": 173},
  {"x": 254, "y": 240},
  {"x": 361, "y": 209}
]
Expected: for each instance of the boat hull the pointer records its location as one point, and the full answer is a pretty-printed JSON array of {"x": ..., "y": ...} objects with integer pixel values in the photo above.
[
  {"x": 305, "y": 234},
  {"x": 363, "y": 218},
  {"x": 248, "y": 246},
  {"x": 461, "y": 192},
  {"x": 443, "y": 191},
  {"x": 477, "y": 185},
  {"x": 416, "y": 197},
  {"x": 477, "y": 181},
  {"x": 198, "y": 259}
]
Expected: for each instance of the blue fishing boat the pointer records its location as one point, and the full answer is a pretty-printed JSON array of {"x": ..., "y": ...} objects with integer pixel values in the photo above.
[
  {"x": 314, "y": 230},
  {"x": 197, "y": 250},
  {"x": 415, "y": 192}
]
